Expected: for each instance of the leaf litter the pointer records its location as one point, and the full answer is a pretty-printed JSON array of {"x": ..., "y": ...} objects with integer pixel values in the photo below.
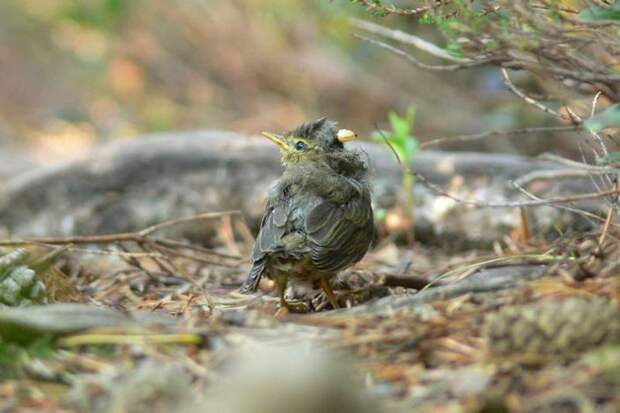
[{"x": 164, "y": 331}]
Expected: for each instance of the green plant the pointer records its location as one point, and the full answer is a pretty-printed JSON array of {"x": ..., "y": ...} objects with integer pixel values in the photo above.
[
  {"x": 19, "y": 284},
  {"x": 14, "y": 356},
  {"x": 401, "y": 139}
]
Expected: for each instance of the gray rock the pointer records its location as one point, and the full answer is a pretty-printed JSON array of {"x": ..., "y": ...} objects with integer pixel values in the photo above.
[
  {"x": 24, "y": 324},
  {"x": 132, "y": 184}
]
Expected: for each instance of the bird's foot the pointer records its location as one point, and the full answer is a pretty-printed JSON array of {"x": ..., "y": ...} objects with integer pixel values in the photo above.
[
  {"x": 281, "y": 313},
  {"x": 322, "y": 301},
  {"x": 292, "y": 307},
  {"x": 298, "y": 306},
  {"x": 327, "y": 288}
]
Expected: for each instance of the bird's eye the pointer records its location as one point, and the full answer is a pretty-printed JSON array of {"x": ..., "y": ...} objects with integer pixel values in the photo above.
[{"x": 300, "y": 146}]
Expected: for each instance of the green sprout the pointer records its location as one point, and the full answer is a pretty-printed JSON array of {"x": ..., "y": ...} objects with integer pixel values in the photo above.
[{"x": 405, "y": 145}]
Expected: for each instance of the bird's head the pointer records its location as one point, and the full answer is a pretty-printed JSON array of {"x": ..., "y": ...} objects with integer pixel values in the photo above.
[{"x": 310, "y": 141}]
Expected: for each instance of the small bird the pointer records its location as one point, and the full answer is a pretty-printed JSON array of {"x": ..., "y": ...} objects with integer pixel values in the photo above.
[{"x": 318, "y": 218}]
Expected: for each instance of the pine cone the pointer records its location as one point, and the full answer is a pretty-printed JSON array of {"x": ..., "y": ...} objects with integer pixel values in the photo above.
[
  {"x": 558, "y": 328},
  {"x": 19, "y": 285}
]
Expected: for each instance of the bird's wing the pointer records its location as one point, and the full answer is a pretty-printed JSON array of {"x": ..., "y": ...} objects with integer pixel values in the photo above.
[
  {"x": 340, "y": 234},
  {"x": 268, "y": 240}
]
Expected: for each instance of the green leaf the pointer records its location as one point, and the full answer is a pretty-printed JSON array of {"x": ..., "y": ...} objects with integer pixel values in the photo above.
[
  {"x": 410, "y": 116},
  {"x": 400, "y": 126},
  {"x": 609, "y": 118},
  {"x": 400, "y": 149},
  {"x": 597, "y": 13},
  {"x": 412, "y": 147},
  {"x": 380, "y": 214},
  {"x": 455, "y": 50},
  {"x": 400, "y": 138},
  {"x": 611, "y": 158},
  {"x": 380, "y": 135},
  {"x": 426, "y": 19}
]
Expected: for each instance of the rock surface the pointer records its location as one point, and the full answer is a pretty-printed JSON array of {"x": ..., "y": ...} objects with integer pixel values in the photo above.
[{"x": 132, "y": 184}]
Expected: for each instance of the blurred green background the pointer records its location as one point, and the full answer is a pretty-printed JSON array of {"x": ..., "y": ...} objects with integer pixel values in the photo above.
[{"x": 78, "y": 72}]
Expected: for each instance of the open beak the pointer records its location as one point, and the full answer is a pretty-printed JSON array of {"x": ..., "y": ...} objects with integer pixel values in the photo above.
[
  {"x": 278, "y": 140},
  {"x": 345, "y": 135}
]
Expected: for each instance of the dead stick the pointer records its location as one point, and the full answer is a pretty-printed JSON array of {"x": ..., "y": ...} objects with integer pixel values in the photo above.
[
  {"x": 199, "y": 217},
  {"x": 488, "y": 134},
  {"x": 533, "y": 203},
  {"x": 139, "y": 236}
]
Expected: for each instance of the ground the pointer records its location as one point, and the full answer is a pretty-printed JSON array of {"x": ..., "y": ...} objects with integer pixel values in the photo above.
[{"x": 425, "y": 329}]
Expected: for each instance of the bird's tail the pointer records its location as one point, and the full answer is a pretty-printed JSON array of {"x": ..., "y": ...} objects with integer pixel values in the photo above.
[{"x": 251, "y": 282}]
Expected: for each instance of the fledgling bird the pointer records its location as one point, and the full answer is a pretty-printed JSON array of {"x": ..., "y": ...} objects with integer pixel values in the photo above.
[{"x": 318, "y": 218}]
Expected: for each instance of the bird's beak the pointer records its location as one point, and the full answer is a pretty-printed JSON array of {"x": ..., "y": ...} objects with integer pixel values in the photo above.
[
  {"x": 278, "y": 140},
  {"x": 345, "y": 135}
]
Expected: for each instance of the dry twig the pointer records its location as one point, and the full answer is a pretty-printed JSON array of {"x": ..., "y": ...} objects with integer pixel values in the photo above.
[
  {"x": 391, "y": 9},
  {"x": 534, "y": 203},
  {"x": 492, "y": 133},
  {"x": 157, "y": 249},
  {"x": 407, "y": 38}
]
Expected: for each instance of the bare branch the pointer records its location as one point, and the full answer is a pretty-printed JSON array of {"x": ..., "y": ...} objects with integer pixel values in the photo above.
[
  {"x": 534, "y": 203},
  {"x": 599, "y": 170},
  {"x": 488, "y": 134},
  {"x": 162, "y": 247},
  {"x": 554, "y": 174},
  {"x": 528, "y": 99},
  {"x": 391, "y": 9},
  {"x": 579, "y": 211},
  {"x": 411, "y": 59},
  {"x": 407, "y": 38},
  {"x": 199, "y": 217}
]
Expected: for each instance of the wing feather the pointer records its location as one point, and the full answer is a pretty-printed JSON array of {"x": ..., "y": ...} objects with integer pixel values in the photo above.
[
  {"x": 268, "y": 240},
  {"x": 339, "y": 235}
]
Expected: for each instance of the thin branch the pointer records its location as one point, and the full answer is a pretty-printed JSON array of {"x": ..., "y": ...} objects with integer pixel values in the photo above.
[
  {"x": 591, "y": 169},
  {"x": 579, "y": 165},
  {"x": 139, "y": 236},
  {"x": 529, "y": 99},
  {"x": 534, "y": 203},
  {"x": 162, "y": 247},
  {"x": 71, "y": 248},
  {"x": 407, "y": 38},
  {"x": 199, "y": 217},
  {"x": 389, "y": 144},
  {"x": 391, "y": 9},
  {"x": 584, "y": 162},
  {"x": 555, "y": 174},
  {"x": 488, "y": 134},
  {"x": 597, "y": 138},
  {"x": 174, "y": 252},
  {"x": 184, "y": 245},
  {"x": 595, "y": 102},
  {"x": 411, "y": 59},
  {"x": 582, "y": 76},
  {"x": 579, "y": 211},
  {"x": 611, "y": 179},
  {"x": 605, "y": 231}
]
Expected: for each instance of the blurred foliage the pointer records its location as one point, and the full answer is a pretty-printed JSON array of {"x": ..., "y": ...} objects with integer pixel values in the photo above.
[
  {"x": 608, "y": 118},
  {"x": 76, "y": 72},
  {"x": 597, "y": 13},
  {"x": 561, "y": 53},
  {"x": 14, "y": 357},
  {"x": 19, "y": 284},
  {"x": 400, "y": 138}
]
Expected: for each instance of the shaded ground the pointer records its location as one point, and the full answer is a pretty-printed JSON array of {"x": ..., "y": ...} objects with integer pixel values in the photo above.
[
  {"x": 537, "y": 345},
  {"x": 523, "y": 324}
]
